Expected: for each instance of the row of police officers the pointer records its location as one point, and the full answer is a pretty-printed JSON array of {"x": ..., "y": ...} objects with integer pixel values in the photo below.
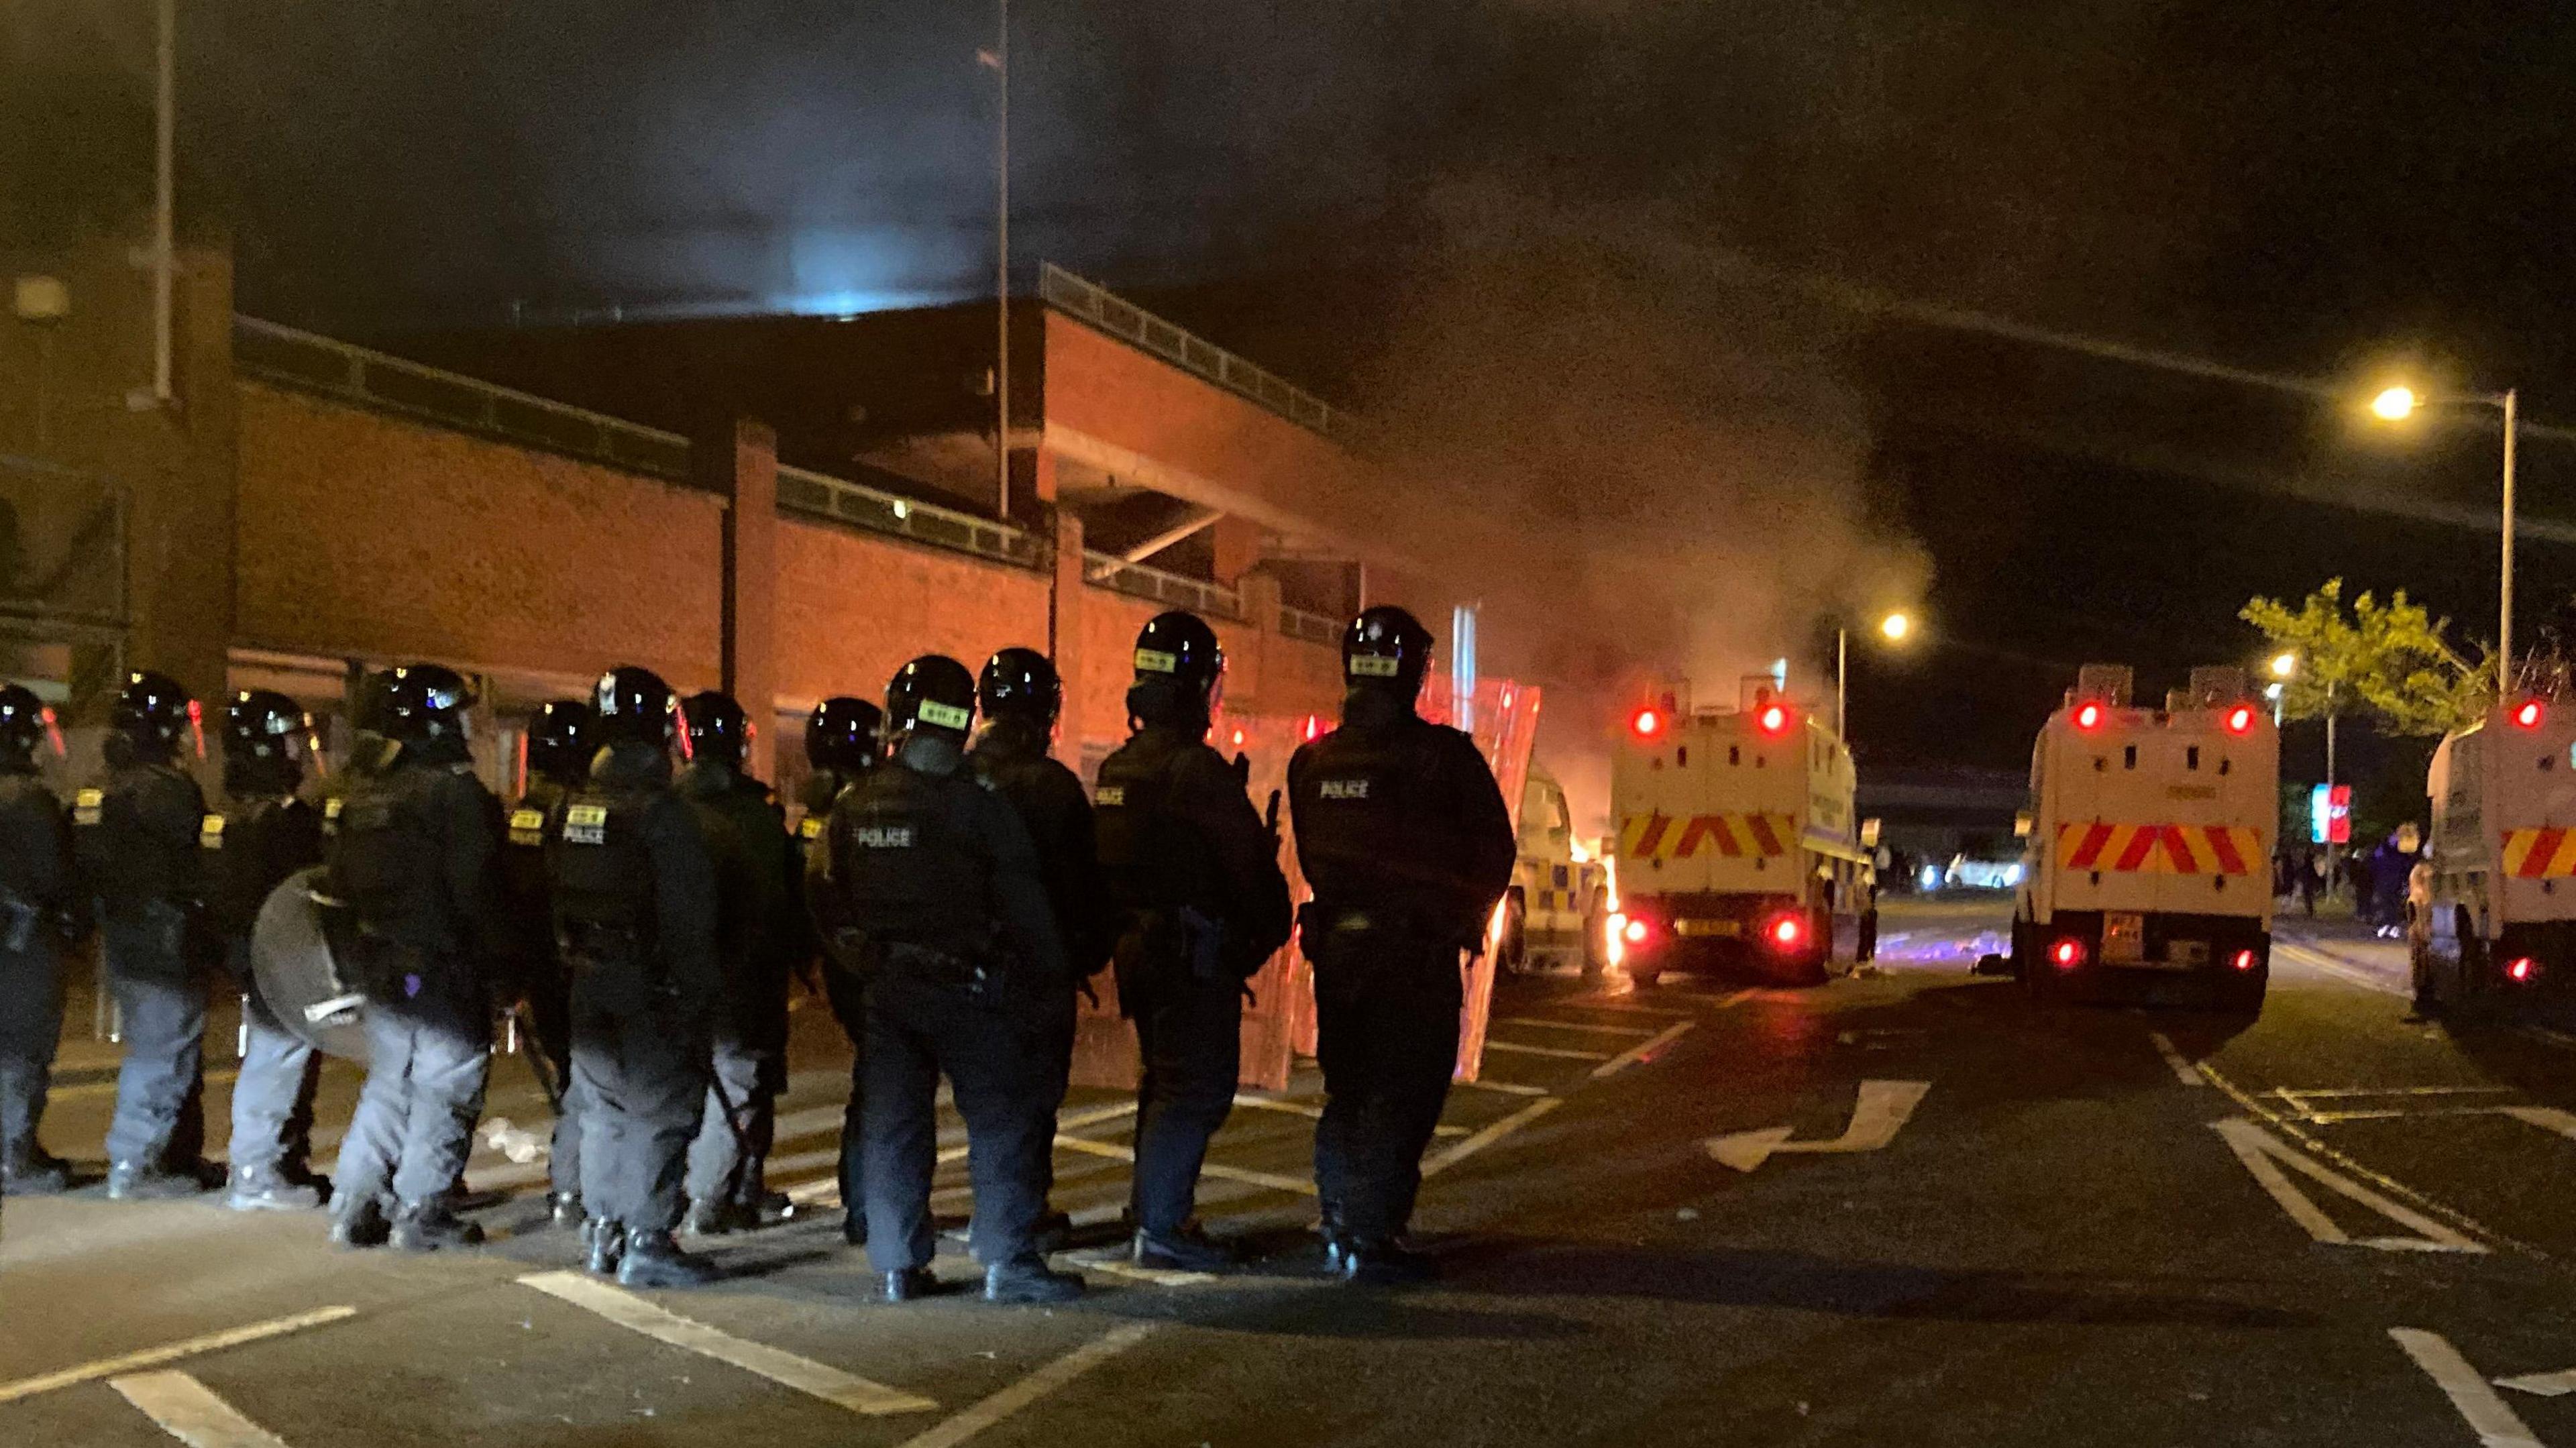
[{"x": 646, "y": 906}]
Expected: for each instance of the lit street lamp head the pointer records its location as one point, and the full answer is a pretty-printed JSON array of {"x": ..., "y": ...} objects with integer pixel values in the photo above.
[
  {"x": 2284, "y": 665},
  {"x": 2395, "y": 404},
  {"x": 1895, "y": 627}
]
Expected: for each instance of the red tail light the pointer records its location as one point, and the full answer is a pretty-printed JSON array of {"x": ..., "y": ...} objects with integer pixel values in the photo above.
[
  {"x": 2240, "y": 720},
  {"x": 1787, "y": 932},
  {"x": 1647, "y": 723},
  {"x": 1634, "y": 932},
  {"x": 2067, "y": 953},
  {"x": 2523, "y": 970},
  {"x": 1774, "y": 719},
  {"x": 1314, "y": 728},
  {"x": 2529, "y": 713},
  {"x": 2245, "y": 960},
  {"x": 2088, "y": 717}
]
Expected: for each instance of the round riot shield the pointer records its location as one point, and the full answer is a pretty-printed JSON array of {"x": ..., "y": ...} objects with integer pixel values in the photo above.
[{"x": 299, "y": 973}]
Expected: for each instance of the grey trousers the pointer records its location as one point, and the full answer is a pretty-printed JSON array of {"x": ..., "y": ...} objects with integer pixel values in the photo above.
[
  {"x": 163, "y": 1006},
  {"x": 273, "y": 1094},
  {"x": 414, "y": 1126},
  {"x": 31, "y": 1023}
]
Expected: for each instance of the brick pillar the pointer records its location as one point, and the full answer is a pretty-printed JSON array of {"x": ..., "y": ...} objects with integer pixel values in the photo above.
[
  {"x": 1260, "y": 642},
  {"x": 742, "y": 462},
  {"x": 1064, "y": 631}
]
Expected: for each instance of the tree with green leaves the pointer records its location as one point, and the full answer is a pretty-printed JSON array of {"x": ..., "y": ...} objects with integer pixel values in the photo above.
[{"x": 2390, "y": 661}]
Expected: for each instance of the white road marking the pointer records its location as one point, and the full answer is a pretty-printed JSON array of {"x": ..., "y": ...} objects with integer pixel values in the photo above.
[
  {"x": 108, "y": 1086},
  {"x": 1507, "y": 1088},
  {"x": 2487, "y": 1414},
  {"x": 1642, "y": 1050},
  {"x": 1589, "y": 1003},
  {"x": 1606, "y": 1030},
  {"x": 2547, "y": 1385},
  {"x": 1158, "y": 1276},
  {"x": 2264, "y": 1154},
  {"x": 2547, "y": 1118},
  {"x": 1314, "y": 1111},
  {"x": 803, "y": 1374},
  {"x": 189, "y": 1411},
  {"x": 171, "y": 1352},
  {"x": 1556, "y": 1052},
  {"x": 1214, "y": 1168},
  {"x": 2318, "y": 960},
  {"x": 1878, "y": 1115},
  {"x": 1442, "y": 1161},
  {"x": 2184, "y": 1071},
  {"x": 2298, "y": 1095},
  {"x": 826, "y": 1192},
  {"x": 1036, "y": 1385},
  {"x": 2548, "y": 1037}
]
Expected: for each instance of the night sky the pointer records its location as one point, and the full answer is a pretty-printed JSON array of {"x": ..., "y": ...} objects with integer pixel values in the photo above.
[{"x": 2324, "y": 192}]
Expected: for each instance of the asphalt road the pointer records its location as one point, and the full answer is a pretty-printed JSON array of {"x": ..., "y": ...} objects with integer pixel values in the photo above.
[{"x": 1902, "y": 1208}]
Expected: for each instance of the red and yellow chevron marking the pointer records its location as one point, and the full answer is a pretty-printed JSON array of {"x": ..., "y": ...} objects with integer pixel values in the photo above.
[
  {"x": 1661, "y": 836},
  {"x": 2540, "y": 854},
  {"x": 2161, "y": 849}
]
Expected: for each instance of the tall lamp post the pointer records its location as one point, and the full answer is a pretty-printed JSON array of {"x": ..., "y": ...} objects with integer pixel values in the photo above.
[
  {"x": 1895, "y": 628},
  {"x": 2396, "y": 404}
]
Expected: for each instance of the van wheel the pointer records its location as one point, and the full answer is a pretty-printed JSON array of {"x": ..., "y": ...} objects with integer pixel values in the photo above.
[{"x": 1645, "y": 979}]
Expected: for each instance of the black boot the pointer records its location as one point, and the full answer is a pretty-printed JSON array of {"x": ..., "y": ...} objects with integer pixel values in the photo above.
[
  {"x": 605, "y": 1242},
  {"x": 654, "y": 1259},
  {"x": 707, "y": 1219},
  {"x": 1027, "y": 1279},
  {"x": 266, "y": 1189},
  {"x": 564, "y": 1208},
  {"x": 359, "y": 1223},
  {"x": 1055, "y": 1233},
  {"x": 1386, "y": 1263},
  {"x": 429, "y": 1226},
  {"x": 854, "y": 1226},
  {"x": 135, "y": 1181},
  {"x": 908, "y": 1285},
  {"x": 1187, "y": 1250},
  {"x": 32, "y": 1172}
]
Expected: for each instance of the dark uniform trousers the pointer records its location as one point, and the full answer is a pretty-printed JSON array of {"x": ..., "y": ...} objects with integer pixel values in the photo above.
[
  {"x": 995, "y": 1061},
  {"x": 639, "y": 1067},
  {"x": 1189, "y": 1038},
  {"x": 849, "y": 1002},
  {"x": 726, "y": 1155},
  {"x": 550, "y": 1022},
  {"x": 31, "y": 1023},
  {"x": 273, "y": 1094},
  {"x": 1387, "y": 1038},
  {"x": 428, "y": 1055},
  {"x": 162, "y": 1007}
]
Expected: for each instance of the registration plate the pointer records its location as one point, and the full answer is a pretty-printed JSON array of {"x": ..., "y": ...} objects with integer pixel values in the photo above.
[
  {"x": 1708, "y": 927},
  {"x": 2124, "y": 938}
]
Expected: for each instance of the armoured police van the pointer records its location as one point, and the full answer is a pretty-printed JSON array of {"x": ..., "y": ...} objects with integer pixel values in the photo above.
[
  {"x": 1558, "y": 904},
  {"x": 2147, "y": 870},
  {"x": 1736, "y": 842},
  {"x": 2501, "y": 926}
]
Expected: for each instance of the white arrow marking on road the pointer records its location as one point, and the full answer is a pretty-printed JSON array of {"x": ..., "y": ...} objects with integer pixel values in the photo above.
[
  {"x": 1882, "y": 1111},
  {"x": 2265, "y": 1154},
  {"x": 2489, "y": 1416},
  {"x": 2547, "y": 1385}
]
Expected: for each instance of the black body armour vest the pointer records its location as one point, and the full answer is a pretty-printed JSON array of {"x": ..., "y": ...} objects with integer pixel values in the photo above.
[
  {"x": 600, "y": 871},
  {"x": 382, "y": 860},
  {"x": 907, "y": 871}
]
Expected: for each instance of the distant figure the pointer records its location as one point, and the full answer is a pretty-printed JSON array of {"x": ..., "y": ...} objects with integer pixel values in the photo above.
[
  {"x": 2384, "y": 881},
  {"x": 2311, "y": 880}
]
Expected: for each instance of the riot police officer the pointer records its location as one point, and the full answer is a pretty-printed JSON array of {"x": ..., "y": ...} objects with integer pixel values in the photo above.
[
  {"x": 1201, "y": 905},
  {"x": 263, "y": 834},
  {"x": 559, "y": 750},
  {"x": 1407, "y": 843},
  {"x": 35, "y": 885},
  {"x": 413, "y": 855},
  {"x": 1021, "y": 696},
  {"x": 763, "y": 939},
  {"x": 943, "y": 912},
  {"x": 843, "y": 740},
  {"x": 137, "y": 847},
  {"x": 634, "y": 889}
]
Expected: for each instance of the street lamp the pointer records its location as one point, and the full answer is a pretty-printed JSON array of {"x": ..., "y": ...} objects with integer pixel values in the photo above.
[
  {"x": 2396, "y": 404},
  {"x": 1895, "y": 628},
  {"x": 2285, "y": 665}
]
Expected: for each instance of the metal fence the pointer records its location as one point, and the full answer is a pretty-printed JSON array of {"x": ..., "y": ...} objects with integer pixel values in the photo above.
[
  {"x": 62, "y": 550},
  {"x": 314, "y": 363},
  {"x": 819, "y": 495},
  {"x": 1108, "y": 570},
  {"x": 1098, "y": 306}
]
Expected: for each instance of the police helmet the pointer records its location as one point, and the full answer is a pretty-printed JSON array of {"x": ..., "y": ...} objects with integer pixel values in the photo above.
[
  {"x": 1386, "y": 648},
  {"x": 933, "y": 694},
  {"x": 1179, "y": 646},
  {"x": 25, "y": 722},
  {"x": 153, "y": 712},
  {"x": 718, "y": 728},
  {"x": 633, "y": 706},
  {"x": 424, "y": 701},
  {"x": 559, "y": 742},
  {"x": 844, "y": 734},
  {"x": 266, "y": 725},
  {"x": 1021, "y": 684}
]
